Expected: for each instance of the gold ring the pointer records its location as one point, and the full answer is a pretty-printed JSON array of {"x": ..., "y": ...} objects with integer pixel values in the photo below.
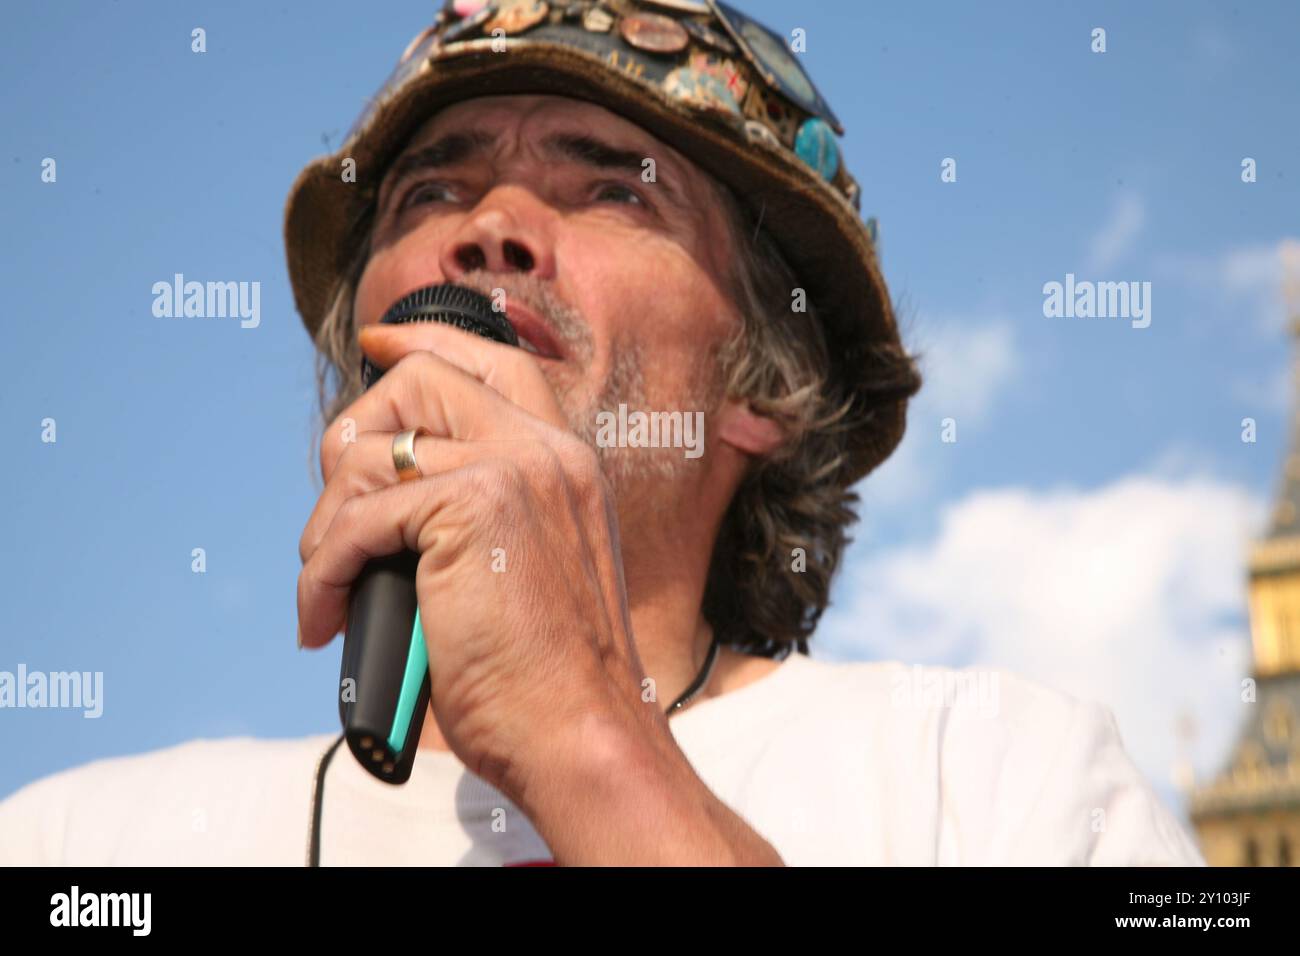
[{"x": 404, "y": 453}]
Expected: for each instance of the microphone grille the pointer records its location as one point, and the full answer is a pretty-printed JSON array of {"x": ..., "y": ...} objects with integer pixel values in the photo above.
[
  {"x": 456, "y": 305},
  {"x": 453, "y": 304}
]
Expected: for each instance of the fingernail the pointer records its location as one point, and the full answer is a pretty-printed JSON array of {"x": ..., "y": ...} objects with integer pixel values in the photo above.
[{"x": 299, "y": 637}]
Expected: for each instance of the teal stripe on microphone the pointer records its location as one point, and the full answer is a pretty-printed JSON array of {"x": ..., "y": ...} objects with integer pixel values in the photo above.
[{"x": 417, "y": 665}]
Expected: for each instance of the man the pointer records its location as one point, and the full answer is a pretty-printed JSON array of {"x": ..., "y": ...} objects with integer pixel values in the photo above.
[{"x": 654, "y": 193}]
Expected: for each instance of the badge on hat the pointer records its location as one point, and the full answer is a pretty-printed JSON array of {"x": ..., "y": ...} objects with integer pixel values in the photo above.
[
  {"x": 516, "y": 16},
  {"x": 757, "y": 132},
  {"x": 701, "y": 90},
  {"x": 815, "y": 145},
  {"x": 725, "y": 71},
  {"x": 775, "y": 62},
  {"x": 470, "y": 25},
  {"x": 597, "y": 20},
  {"x": 653, "y": 33}
]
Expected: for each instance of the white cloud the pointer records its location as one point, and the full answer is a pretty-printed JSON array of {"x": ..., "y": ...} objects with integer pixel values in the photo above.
[
  {"x": 1245, "y": 279},
  {"x": 1131, "y": 595},
  {"x": 967, "y": 366},
  {"x": 1251, "y": 268},
  {"x": 1117, "y": 235}
]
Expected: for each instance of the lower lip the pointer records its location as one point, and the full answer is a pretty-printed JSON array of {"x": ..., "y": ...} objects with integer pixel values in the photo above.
[{"x": 539, "y": 355}]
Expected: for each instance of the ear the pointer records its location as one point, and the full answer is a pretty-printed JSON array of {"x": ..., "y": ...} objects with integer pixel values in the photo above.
[{"x": 746, "y": 430}]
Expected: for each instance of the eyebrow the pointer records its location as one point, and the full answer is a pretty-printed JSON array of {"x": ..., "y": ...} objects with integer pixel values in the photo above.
[
  {"x": 447, "y": 151},
  {"x": 589, "y": 151},
  {"x": 576, "y": 147}
]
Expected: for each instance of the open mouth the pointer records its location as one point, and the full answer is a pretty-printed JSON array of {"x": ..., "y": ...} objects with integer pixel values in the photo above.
[{"x": 534, "y": 335}]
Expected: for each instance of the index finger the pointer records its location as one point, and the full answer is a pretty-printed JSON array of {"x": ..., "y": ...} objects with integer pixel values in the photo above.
[
  {"x": 426, "y": 389},
  {"x": 512, "y": 371}
]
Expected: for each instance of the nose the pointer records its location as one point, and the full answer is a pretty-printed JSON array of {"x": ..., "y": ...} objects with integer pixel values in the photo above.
[{"x": 508, "y": 231}]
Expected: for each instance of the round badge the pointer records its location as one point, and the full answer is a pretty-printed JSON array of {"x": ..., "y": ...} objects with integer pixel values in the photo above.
[
  {"x": 518, "y": 16},
  {"x": 467, "y": 8},
  {"x": 653, "y": 33},
  {"x": 597, "y": 20},
  {"x": 709, "y": 37},
  {"x": 681, "y": 6},
  {"x": 757, "y": 132},
  {"x": 771, "y": 55},
  {"x": 774, "y": 57},
  {"x": 467, "y": 27},
  {"x": 815, "y": 145},
  {"x": 700, "y": 90}
]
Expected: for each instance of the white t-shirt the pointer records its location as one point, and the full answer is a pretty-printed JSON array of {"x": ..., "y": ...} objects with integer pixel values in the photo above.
[{"x": 840, "y": 764}]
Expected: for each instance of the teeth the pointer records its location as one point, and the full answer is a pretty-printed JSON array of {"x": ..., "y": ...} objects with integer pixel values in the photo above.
[{"x": 528, "y": 346}]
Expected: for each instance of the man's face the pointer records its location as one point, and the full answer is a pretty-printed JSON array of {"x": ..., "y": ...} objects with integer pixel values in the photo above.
[{"x": 544, "y": 197}]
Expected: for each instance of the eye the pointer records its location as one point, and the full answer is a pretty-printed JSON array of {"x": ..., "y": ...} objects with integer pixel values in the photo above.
[
  {"x": 427, "y": 191},
  {"x": 620, "y": 193}
]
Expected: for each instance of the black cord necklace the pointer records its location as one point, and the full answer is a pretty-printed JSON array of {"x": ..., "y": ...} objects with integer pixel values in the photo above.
[{"x": 318, "y": 784}]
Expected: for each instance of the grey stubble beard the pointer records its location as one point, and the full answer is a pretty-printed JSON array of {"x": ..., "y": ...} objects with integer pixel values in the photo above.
[{"x": 629, "y": 470}]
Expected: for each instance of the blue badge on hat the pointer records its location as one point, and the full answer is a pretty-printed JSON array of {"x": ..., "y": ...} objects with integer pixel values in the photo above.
[{"x": 815, "y": 144}]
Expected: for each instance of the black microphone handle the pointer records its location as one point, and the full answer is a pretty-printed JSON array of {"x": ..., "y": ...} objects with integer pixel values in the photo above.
[
  {"x": 382, "y": 642},
  {"x": 384, "y": 681}
]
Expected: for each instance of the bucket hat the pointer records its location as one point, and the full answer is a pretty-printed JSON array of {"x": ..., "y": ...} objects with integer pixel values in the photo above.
[{"x": 725, "y": 91}]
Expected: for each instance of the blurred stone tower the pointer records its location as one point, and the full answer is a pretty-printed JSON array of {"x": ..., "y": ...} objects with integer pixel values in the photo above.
[{"x": 1249, "y": 815}]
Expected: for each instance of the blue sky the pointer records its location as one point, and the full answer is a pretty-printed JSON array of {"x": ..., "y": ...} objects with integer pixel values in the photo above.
[{"x": 1086, "y": 529}]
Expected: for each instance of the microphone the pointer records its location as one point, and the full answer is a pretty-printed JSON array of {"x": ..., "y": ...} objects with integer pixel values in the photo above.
[{"x": 384, "y": 683}]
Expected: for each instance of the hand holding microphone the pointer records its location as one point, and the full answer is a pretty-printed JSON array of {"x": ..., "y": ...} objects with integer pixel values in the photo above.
[
  {"x": 384, "y": 681},
  {"x": 532, "y": 665}
]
